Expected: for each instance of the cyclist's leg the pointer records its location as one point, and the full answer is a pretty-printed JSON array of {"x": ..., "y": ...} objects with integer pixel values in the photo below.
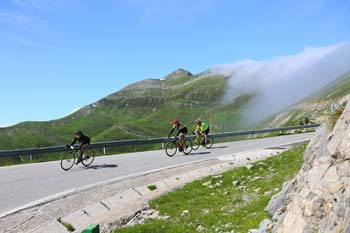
[
  {"x": 206, "y": 133},
  {"x": 83, "y": 149},
  {"x": 181, "y": 139},
  {"x": 199, "y": 135}
]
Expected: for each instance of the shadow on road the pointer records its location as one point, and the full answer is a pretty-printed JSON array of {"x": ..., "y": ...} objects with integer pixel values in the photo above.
[
  {"x": 200, "y": 153},
  {"x": 100, "y": 166},
  {"x": 218, "y": 147}
]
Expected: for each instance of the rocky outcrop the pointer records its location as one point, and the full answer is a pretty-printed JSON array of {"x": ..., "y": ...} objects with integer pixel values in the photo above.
[
  {"x": 318, "y": 198},
  {"x": 178, "y": 73}
]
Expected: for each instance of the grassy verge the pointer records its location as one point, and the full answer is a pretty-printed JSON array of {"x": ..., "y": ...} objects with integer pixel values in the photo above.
[{"x": 234, "y": 200}]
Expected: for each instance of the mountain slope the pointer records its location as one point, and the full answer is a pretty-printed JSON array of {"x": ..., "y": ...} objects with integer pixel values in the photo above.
[
  {"x": 141, "y": 110},
  {"x": 316, "y": 107}
]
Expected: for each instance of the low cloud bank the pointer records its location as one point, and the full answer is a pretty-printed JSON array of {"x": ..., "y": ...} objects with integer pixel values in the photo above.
[{"x": 282, "y": 81}]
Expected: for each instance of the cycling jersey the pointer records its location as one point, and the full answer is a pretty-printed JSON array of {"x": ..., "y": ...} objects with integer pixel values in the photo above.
[
  {"x": 84, "y": 140},
  {"x": 203, "y": 127},
  {"x": 180, "y": 127}
]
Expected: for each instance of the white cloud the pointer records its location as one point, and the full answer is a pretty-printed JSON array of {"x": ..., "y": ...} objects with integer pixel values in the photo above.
[
  {"x": 282, "y": 81},
  {"x": 19, "y": 3}
]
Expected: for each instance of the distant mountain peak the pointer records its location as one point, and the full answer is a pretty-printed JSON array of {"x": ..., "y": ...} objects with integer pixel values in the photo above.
[{"x": 178, "y": 73}]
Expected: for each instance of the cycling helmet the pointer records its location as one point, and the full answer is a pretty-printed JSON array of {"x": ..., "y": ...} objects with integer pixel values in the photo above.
[
  {"x": 198, "y": 121},
  {"x": 78, "y": 132},
  {"x": 176, "y": 121}
]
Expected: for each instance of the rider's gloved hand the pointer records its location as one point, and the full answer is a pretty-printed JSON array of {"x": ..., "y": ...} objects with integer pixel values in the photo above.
[{"x": 72, "y": 147}]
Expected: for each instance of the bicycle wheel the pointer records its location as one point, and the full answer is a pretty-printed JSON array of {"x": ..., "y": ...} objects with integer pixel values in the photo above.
[
  {"x": 171, "y": 149},
  {"x": 210, "y": 142},
  {"x": 195, "y": 143},
  {"x": 188, "y": 147},
  {"x": 68, "y": 160},
  {"x": 88, "y": 157}
]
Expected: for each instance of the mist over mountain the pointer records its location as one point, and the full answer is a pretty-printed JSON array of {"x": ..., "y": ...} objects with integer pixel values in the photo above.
[{"x": 282, "y": 81}]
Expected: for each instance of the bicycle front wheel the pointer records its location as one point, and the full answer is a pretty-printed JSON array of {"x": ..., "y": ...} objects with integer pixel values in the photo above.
[
  {"x": 68, "y": 160},
  {"x": 195, "y": 143},
  {"x": 188, "y": 147},
  {"x": 88, "y": 157},
  {"x": 171, "y": 149},
  {"x": 210, "y": 142}
]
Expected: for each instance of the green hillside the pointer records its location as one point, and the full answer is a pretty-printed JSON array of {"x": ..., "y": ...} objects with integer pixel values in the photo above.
[
  {"x": 316, "y": 107},
  {"x": 142, "y": 110}
]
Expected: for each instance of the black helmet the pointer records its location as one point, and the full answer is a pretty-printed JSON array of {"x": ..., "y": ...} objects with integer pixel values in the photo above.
[{"x": 78, "y": 132}]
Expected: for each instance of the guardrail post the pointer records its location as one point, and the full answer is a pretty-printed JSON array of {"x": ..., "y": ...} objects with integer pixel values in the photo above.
[
  {"x": 250, "y": 136},
  {"x": 30, "y": 157},
  {"x": 104, "y": 150},
  {"x": 162, "y": 145}
]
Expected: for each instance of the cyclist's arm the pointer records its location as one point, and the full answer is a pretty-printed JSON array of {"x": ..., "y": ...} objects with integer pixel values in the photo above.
[
  {"x": 197, "y": 129},
  {"x": 178, "y": 132},
  {"x": 74, "y": 141},
  {"x": 201, "y": 128},
  {"x": 172, "y": 131}
]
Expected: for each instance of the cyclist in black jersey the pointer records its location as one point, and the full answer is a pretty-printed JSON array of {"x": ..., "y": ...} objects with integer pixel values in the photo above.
[
  {"x": 84, "y": 142},
  {"x": 181, "y": 132}
]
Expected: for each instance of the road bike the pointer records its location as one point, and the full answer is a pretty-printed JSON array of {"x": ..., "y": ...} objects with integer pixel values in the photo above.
[
  {"x": 172, "y": 146},
  {"x": 69, "y": 158},
  {"x": 199, "y": 139}
]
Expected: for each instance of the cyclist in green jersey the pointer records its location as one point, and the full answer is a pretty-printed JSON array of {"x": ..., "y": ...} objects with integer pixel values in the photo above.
[{"x": 202, "y": 128}]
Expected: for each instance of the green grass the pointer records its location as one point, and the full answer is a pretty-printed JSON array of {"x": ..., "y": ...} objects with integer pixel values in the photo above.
[
  {"x": 152, "y": 187},
  {"x": 224, "y": 207},
  {"x": 69, "y": 226}
]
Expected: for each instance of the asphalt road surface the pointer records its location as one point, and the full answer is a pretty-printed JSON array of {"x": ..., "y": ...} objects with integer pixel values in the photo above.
[{"x": 23, "y": 184}]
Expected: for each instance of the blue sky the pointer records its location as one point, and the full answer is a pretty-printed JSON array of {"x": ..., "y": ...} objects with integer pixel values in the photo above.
[{"x": 59, "y": 55}]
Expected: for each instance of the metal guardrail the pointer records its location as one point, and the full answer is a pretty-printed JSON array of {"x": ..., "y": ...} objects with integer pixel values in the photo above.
[{"x": 55, "y": 149}]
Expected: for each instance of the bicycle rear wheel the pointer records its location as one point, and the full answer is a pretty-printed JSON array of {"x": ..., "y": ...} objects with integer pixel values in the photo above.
[
  {"x": 195, "y": 143},
  {"x": 88, "y": 157},
  {"x": 68, "y": 160},
  {"x": 210, "y": 142},
  {"x": 188, "y": 147},
  {"x": 171, "y": 149}
]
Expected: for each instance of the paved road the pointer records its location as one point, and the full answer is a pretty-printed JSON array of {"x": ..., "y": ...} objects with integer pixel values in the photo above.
[{"x": 27, "y": 183}]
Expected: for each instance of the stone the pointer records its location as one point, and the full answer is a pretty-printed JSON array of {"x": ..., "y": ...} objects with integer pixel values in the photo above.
[
  {"x": 281, "y": 199},
  {"x": 95, "y": 210},
  {"x": 256, "y": 178},
  {"x": 185, "y": 213},
  {"x": 265, "y": 226},
  {"x": 200, "y": 228},
  {"x": 318, "y": 198},
  {"x": 253, "y": 231},
  {"x": 235, "y": 183},
  {"x": 77, "y": 219},
  {"x": 257, "y": 190},
  {"x": 217, "y": 177},
  {"x": 243, "y": 188},
  {"x": 206, "y": 184},
  {"x": 54, "y": 226},
  {"x": 206, "y": 211}
]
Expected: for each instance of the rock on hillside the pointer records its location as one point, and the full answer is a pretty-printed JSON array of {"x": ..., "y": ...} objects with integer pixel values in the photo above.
[
  {"x": 318, "y": 198},
  {"x": 178, "y": 73}
]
